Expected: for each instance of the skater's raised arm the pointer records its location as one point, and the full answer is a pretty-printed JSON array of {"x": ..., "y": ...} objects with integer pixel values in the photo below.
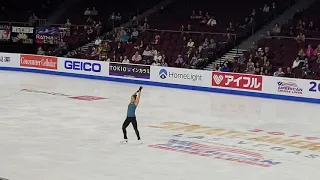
[{"x": 138, "y": 97}]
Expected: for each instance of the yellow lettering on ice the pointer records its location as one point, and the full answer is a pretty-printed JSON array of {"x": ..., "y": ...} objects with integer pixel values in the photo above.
[
  {"x": 311, "y": 146},
  {"x": 170, "y": 125},
  {"x": 190, "y": 128},
  {"x": 270, "y": 139},
  {"x": 213, "y": 131},
  {"x": 239, "y": 135}
]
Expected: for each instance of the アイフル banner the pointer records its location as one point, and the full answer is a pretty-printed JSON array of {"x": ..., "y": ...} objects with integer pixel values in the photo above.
[{"x": 237, "y": 81}]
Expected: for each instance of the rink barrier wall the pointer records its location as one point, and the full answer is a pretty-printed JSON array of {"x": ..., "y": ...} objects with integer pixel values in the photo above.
[{"x": 15, "y": 67}]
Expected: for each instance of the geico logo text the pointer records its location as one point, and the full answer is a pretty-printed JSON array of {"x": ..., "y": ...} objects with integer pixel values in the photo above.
[{"x": 82, "y": 66}]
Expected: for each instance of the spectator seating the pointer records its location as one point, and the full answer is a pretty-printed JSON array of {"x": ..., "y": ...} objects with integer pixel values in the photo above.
[
  {"x": 126, "y": 8},
  {"x": 20, "y": 12}
]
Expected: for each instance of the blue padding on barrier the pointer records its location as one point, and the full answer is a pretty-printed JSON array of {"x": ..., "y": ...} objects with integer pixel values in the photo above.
[{"x": 188, "y": 87}]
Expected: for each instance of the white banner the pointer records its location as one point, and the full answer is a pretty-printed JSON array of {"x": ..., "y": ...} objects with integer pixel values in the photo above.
[
  {"x": 291, "y": 87},
  {"x": 24, "y": 30},
  {"x": 181, "y": 76},
  {"x": 9, "y": 60},
  {"x": 82, "y": 66}
]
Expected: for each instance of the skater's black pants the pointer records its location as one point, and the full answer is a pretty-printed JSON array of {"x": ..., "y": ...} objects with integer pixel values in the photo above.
[{"x": 126, "y": 123}]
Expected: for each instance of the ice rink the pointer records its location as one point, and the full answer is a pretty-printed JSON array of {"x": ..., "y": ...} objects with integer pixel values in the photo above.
[{"x": 49, "y": 130}]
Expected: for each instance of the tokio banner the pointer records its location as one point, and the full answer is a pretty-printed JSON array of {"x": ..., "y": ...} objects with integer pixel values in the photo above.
[
  {"x": 129, "y": 70},
  {"x": 22, "y": 35},
  {"x": 5, "y": 32}
]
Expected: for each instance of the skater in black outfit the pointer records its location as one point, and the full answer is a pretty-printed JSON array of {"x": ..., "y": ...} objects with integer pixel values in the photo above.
[{"x": 131, "y": 115}]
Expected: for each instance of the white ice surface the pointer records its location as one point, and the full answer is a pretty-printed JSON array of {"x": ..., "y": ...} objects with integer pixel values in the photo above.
[{"x": 47, "y": 137}]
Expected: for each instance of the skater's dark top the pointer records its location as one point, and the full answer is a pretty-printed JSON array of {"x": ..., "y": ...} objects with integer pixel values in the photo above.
[{"x": 131, "y": 110}]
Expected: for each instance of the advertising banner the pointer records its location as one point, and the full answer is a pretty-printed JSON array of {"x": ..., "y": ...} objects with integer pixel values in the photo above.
[
  {"x": 292, "y": 87},
  {"x": 181, "y": 76},
  {"x": 5, "y": 32},
  {"x": 23, "y": 35},
  {"x": 39, "y": 62},
  {"x": 237, "y": 81},
  {"x": 82, "y": 66},
  {"x": 9, "y": 60},
  {"x": 47, "y": 35},
  {"x": 133, "y": 71}
]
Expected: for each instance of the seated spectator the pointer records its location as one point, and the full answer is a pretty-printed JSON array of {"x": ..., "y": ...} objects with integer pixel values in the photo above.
[
  {"x": 126, "y": 60},
  {"x": 317, "y": 50},
  {"x": 40, "y": 51},
  {"x": 163, "y": 63},
  {"x": 87, "y": 12},
  {"x": 250, "y": 67},
  {"x": 119, "y": 49},
  {"x": 153, "y": 51},
  {"x": 182, "y": 28},
  {"x": 134, "y": 35},
  {"x": 98, "y": 41},
  {"x": 301, "y": 37},
  {"x": 68, "y": 24},
  {"x": 193, "y": 15},
  {"x": 94, "y": 12},
  {"x": 179, "y": 61},
  {"x": 199, "y": 15},
  {"x": 230, "y": 28},
  {"x": 301, "y": 54},
  {"x": 63, "y": 45},
  {"x": 276, "y": 29},
  {"x": 267, "y": 66},
  {"x": 103, "y": 56},
  {"x": 136, "y": 57},
  {"x": 297, "y": 62},
  {"x": 205, "y": 45},
  {"x": 189, "y": 27},
  {"x": 113, "y": 59},
  {"x": 120, "y": 59},
  {"x": 139, "y": 46},
  {"x": 147, "y": 52},
  {"x": 33, "y": 19},
  {"x": 156, "y": 40},
  {"x": 157, "y": 57},
  {"x": 236, "y": 69},
  {"x": 306, "y": 71},
  {"x": 309, "y": 51},
  {"x": 212, "y": 21},
  {"x": 224, "y": 68},
  {"x": 266, "y": 73},
  {"x": 134, "y": 22},
  {"x": 311, "y": 26},
  {"x": 289, "y": 73},
  {"x": 279, "y": 73},
  {"x": 106, "y": 47},
  {"x": 266, "y": 8},
  {"x": 242, "y": 59},
  {"x": 253, "y": 47},
  {"x": 212, "y": 44},
  {"x": 156, "y": 63}
]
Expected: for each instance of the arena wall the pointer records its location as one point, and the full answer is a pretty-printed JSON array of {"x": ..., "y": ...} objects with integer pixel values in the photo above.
[{"x": 219, "y": 82}]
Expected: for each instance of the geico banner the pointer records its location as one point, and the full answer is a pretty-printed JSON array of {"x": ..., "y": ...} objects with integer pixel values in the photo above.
[
  {"x": 291, "y": 87},
  {"x": 9, "y": 60},
  {"x": 82, "y": 66},
  {"x": 181, "y": 76}
]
